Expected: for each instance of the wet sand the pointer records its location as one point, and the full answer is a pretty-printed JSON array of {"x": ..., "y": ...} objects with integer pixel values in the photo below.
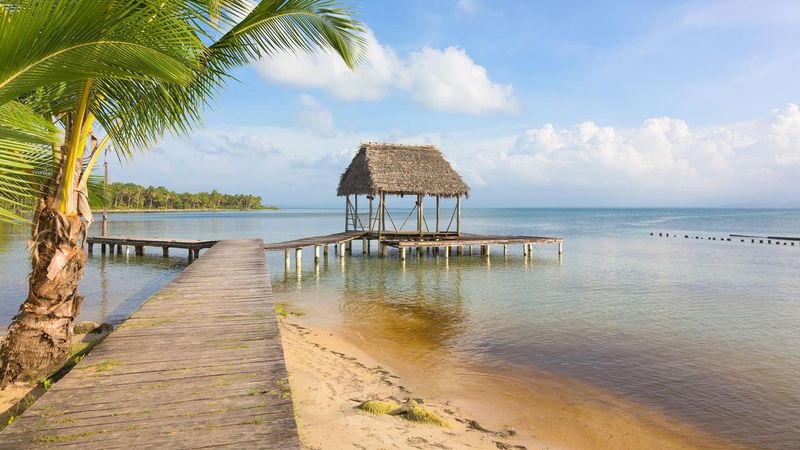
[{"x": 332, "y": 370}]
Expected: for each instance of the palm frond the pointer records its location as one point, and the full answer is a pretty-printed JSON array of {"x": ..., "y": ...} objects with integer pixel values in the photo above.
[
  {"x": 26, "y": 162},
  {"x": 93, "y": 39}
]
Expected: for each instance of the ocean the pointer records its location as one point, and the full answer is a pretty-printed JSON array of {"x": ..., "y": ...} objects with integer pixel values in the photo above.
[{"x": 705, "y": 331}]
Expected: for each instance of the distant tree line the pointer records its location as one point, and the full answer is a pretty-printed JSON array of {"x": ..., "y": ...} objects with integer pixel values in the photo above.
[{"x": 134, "y": 196}]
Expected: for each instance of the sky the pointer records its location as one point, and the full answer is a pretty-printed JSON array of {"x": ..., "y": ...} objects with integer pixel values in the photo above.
[{"x": 537, "y": 104}]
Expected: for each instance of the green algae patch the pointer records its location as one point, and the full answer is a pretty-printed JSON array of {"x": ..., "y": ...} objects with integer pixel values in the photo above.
[
  {"x": 416, "y": 413},
  {"x": 235, "y": 347},
  {"x": 103, "y": 366},
  {"x": 378, "y": 407},
  {"x": 255, "y": 421},
  {"x": 145, "y": 323},
  {"x": 282, "y": 309}
]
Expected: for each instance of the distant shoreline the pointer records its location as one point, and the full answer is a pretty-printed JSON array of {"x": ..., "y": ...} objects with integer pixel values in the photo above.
[{"x": 266, "y": 208}]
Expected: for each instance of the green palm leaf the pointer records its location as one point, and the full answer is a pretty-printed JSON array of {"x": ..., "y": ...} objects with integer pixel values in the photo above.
[{"x": 49, "y": 41}]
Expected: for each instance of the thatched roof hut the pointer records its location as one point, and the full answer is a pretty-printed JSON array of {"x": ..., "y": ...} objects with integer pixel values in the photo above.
[{"x": 398, "y": 169}]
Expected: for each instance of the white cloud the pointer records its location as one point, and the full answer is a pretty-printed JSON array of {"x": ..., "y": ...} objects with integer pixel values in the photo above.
[
  {"x": 664, "y": 157},
  {"x": 314, "y": 116},
  {"x": 467, "y": 6},
  {"x": 449, "y": 80},
  {"x": 664, "y": 161},
  {"x": 443, "y": 80}
]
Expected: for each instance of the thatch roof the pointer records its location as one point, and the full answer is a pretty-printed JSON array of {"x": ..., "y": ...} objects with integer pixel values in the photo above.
[{"x": 401, "y": 170}]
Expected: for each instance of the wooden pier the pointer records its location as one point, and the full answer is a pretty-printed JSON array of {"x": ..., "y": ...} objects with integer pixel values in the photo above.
[
  {"x": 199, "y": 365},
  {"x": 447, "y": 242},
  {"x": 138, "y": 244}
]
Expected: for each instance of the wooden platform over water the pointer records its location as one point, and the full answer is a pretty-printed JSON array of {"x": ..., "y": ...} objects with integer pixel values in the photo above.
[
  {"x": 139, "y": 243},
  {"x": 199, "y": 365},
  {"x": 327, "y": 239},
  {"x": 404, "y": 241}
]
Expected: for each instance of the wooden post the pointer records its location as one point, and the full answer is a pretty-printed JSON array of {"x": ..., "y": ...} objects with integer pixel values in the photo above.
[
  {"x": 316, "y": 253},
  {"x": 340, "y": 245},
  {"x": 103, "y": 248},
  {"x": 165, "y": 250},
  {"x": 437, "y": 214},
  {"x": 403, "y": 253},
  {"x": 560, "y": 248},
  {"x": 119, "y": 249},
  {"x": 191, "y": 254},
  {"x": 369, "y": 220},
  {"x": 139, "y": 249},
  {"x": 346, "y": 211},
  {"x": 505, "y": 249},
  {"x": 90, "y": 245},
  {"x": 355, "y": 214},
  {"x": 298, "y": 258},
  {"x": 524, "y": 249},
  {"x": 325, "y": 249},
  {"x": 364, "y": 246},
  {"x": 383, "y": 211},
  {"x": 458, "y": 215},
  {"x": 286, "y": 259},
  {"x": 488, "y": 251},
  {"x": 447, "y": 252},
  {"x": 419, "y": 214},
  {"x": 530, "y": 250},
  {"x": 196, "y": 253}
]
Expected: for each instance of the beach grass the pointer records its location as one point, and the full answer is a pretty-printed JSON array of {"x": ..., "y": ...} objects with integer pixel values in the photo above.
[{"x": 378, "y": 407}]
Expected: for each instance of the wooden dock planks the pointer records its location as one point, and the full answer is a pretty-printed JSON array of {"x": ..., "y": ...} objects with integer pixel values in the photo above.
[
  {"x": 200, "y": 364},
  {"x": 316, "y": 240}
]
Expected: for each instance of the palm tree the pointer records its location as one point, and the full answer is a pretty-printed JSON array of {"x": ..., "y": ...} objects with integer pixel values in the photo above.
[{"x": 78, "y": 74}]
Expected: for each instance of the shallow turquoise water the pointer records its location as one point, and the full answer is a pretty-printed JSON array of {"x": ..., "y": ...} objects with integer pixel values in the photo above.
[{"x": 707, "y": 331}]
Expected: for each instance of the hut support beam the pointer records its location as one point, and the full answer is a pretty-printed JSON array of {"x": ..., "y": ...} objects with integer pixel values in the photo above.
[
  {"x": 369, "y": 220},
  {"x": 458, "y": 215},
  {"x": 437, "y": 214},
  {"x": 298, "y": 258},
  {"x": 346, "y": 212},
  {"x": 419, "y": 214}
]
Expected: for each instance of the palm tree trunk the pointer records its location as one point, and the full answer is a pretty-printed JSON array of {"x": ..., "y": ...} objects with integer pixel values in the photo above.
[{"x": 39, "y": 339}]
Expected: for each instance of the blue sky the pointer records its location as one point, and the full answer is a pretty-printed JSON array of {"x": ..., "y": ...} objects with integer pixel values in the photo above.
[{"x": 536, "y": 103}]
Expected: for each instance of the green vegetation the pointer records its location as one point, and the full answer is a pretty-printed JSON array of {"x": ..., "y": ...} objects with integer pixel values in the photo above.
[
  {"x": 104, "y": 366},
  {"x": 378, "y": 407},
  {"x": 255, "y": 421},
  {"x": 282, "y": 309},
  {"x": 81, "y": 78},
  {"x": 416, "y": 413},
  {"x": 121, "y": 196},
  {"x": 411, "y": 412}
]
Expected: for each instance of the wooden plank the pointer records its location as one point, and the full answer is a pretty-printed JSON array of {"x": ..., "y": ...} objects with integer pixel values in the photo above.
[
  {"x": 199, "y": 365},
  {"x": 139, "y": 242},
  {"x": 469, "y": 239},
  {"x": 316, "y": 240}
]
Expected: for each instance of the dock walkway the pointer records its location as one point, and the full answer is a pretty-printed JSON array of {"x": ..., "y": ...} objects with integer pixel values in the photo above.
[
  {"x": 199, "y": 365},
  {"x": 139, "y": 243}
]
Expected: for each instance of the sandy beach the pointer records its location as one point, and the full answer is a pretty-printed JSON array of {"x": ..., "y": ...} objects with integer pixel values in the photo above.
[{"x": 330, "y": 375}]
